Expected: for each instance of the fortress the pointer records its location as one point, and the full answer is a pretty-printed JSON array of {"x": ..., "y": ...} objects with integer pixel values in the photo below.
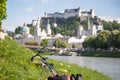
[
  {"x": 71, "y": 13},
  {"x": 56, "y": 16}
]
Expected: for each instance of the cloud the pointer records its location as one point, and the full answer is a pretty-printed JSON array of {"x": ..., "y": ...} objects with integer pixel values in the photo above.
[
  {"x": 46, "y": 1},
  {"x": 43, "y": 1},
  {"x": 108, "y": 18},
  {"x": 29, "y": 9},
  {"x": 29, "y": 0}
]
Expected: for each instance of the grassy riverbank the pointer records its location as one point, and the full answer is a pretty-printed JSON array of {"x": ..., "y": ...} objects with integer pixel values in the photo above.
[
  {"x": 100, "y": 54},
  {"x": 15, "y": 65}
]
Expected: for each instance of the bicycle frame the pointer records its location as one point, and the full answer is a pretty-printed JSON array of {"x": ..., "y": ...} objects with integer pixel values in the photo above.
[{"x": 44, "y": 60}]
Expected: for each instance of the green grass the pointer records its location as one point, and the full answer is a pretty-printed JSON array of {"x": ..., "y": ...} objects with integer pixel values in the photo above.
[{"x": 15, "y": 64}]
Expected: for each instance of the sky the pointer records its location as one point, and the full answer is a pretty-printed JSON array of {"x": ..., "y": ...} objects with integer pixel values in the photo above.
[{"x": 24, "y": 11}]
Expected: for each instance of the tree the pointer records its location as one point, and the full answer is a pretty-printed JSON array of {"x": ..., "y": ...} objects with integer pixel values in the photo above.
[
  {"x": 103, "y": 39},
  {"x": 18, "y": 30},
  {"x": 85, "y": 43},
  {"x": 115, "y": 36},
  {"x": 31, "y": 28},
  {"x": 57, "y": 43},
  {"x": 110, "y": 25},
  {"x": 116, "y": 25},
  {"x": 44, "y": 42},
  {"x": 73, "y": 45},
  {"x": 92, "y": 42},
  {"x": 64, "y": 45},
  {"x": 3, "y": 13},
  {"x": 11, "y": 34},
  {"x": 60, "y": 44}
]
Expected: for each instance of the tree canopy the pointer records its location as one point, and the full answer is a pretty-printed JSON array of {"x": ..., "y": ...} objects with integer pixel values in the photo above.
[
  {"x": 60, "y": 44},
  {"x": 3, "y": 13},
  {"x": 111, "y": 25},
  {"x": 44, "y": 42},
  {"x": 105, "y": 40}
]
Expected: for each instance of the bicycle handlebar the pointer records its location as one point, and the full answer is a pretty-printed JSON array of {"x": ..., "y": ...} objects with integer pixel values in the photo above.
[{"x": 44, "y": 60}]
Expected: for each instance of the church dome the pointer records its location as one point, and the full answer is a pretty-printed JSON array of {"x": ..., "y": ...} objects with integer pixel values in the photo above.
[{"x": 24, "y": 29}]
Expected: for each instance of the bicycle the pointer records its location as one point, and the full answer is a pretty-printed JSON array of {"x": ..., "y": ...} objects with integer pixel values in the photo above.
[{"x": 45, "y": 63}]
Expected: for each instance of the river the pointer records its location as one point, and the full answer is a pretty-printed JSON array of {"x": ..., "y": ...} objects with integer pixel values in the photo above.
[{"x": 108, "y": 66}]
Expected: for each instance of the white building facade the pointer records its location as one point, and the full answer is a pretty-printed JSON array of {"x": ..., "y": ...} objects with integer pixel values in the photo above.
[{"x": 38, "y": 31}]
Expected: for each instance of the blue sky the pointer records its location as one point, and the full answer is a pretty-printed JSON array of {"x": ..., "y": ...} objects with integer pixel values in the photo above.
[{"x": 20, "y": 11}]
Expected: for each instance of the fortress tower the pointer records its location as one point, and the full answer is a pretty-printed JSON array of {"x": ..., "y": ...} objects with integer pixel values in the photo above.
[{"x": 92, "y": 13}]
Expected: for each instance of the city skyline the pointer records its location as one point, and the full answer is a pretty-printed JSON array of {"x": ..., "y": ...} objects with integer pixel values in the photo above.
[{"x": 22, "y": 11}]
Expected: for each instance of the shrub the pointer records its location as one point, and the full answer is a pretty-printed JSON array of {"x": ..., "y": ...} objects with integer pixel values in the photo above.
[{"x": 32, "y": 43}]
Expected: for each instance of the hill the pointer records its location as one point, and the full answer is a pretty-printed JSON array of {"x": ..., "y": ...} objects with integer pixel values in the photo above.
[{"x": 15, "y": 65}]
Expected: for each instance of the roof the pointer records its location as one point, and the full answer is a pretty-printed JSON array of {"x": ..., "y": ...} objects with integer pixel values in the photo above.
[{"x": 24, "y": 28}]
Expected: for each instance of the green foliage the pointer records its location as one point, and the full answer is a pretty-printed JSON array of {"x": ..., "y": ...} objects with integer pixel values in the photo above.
[
  {"x": 0, "y": 26},
  {"x": 57, "y": 43},
  {"x": 53, "y": 30},
  {"x": 31, "y": 28},
  {"x": 3, "y": 13},
  {"x": 3, "y": 9},
  {"x": 60, "y": 44},
  {"x": 115, "y": 36},
  {"x": 110, "y": 25},
  {"x": 44, "y": 42},
  {"x": 104, "y": 40},
  {"x": 18, "y": 30},
  {"x": 92, "y": 42},
  {"x": 64, "y": 45},
  {"x": 66, "y": 26},
  {"x": 73, "y": 45},
  {"x": 15, "y": 65},
  {"x": 32, "y": 43},
  {"x": 11, "y": 34}
]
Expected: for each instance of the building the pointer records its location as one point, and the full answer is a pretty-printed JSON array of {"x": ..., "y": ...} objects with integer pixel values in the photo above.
[
  {"x": 25, "y": 31},
  {"x": 2, "y": 35},
  {"x": 92, "y": 30},
  {"x": 40, "y": 32},
  {"x": 42, "y": 28},
  {"x": 56, "y": 16},
  {"x": 71, "y": 13}
]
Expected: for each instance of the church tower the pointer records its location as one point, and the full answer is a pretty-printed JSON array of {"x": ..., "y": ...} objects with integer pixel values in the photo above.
[
  {"x": 48, "y": 30},
  {"x": 79, "y": 12},
  {"x": 37, "y": 29},
  {"x": 94, "y": 30},
  {"x": 88, "y": 24},
  {"x": 79, "y": 31}
]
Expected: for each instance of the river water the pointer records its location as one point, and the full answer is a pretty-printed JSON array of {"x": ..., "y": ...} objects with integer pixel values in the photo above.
[{"x": 108, "y": 66}]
